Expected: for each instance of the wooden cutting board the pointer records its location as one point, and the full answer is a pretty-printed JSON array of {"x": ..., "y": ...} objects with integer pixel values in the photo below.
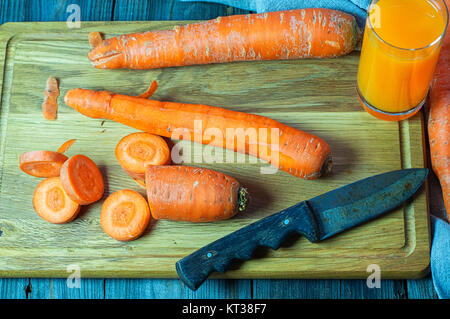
[{"x": 314, "y": 95}]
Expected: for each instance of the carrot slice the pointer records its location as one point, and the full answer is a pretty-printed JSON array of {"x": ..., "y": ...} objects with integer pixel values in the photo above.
[
  {"x": 52, "y": 204},
  {"x": 152, "y": 88},
  {"x": 66, "y": 146},
  {"x": 125, "y": 215},
  {"x": 81, "y": 180},
  {"x": 50, "y": 105},
  {"x": 137, "y": 150},
  {"x": 95, "y": 39},
  {"x": 42, "y": 163}
]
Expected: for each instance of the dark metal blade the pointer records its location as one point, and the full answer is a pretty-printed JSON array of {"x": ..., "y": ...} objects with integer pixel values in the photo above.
[{"x": 356, "y": 203}]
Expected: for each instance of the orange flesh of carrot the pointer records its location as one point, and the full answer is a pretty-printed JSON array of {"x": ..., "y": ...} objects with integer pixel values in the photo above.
[
  {"x": 42, "y": 163},
  {"x": 137, "y": 150},
  {"x": 125, "y": 215},
  {"x": 300, "y": 154},
  {"x": 191, "y": 194},
  {"x": 66, "y": 146},
  {"x": 152, "y": 88},
  {"x": 52, "y": 204},
  {"x": 95, "y": 39},
  {"x": 81, "y": 180},
  {"x": 439, "y": 121},
  {"x": 50, "y": 105},
  {"x": 291, "y": 34}
]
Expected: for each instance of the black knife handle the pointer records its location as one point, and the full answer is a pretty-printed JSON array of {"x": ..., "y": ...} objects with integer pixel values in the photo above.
[{"x": 269, "y": 231}]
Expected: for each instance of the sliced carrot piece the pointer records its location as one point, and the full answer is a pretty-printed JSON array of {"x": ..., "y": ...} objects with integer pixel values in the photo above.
[
  {"x": 95, "y": 39},
  {"x": 137, "y": 150},
  {"x": 50, "y": 105},
  {"x": 81, "y": 180},
  {"x": 42, "y": 163},
  {"x": 125, "y": 215},
  {"x": 66, "y": 146},
  {"x": 52, "y": 204},
  {"x": 141, "y": 183},
  {"x": 152, "y": 88}
]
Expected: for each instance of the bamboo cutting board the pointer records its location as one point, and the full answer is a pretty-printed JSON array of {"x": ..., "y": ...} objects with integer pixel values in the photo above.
[{"x": 314, "y": 95}]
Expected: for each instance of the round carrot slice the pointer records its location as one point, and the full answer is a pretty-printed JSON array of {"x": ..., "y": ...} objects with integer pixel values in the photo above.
[
  {"x": 42, "y": 163},
  {"x": 52, "y": 204},
  {"x": 125, "y": 215},
  {"x": 82, "y": 180},
  {"x": 137, "y": 150}
]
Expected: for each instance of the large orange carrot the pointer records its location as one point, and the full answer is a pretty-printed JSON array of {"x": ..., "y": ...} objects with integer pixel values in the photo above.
[
  {"x": 192, "y": 194},
  {"x": 293, "y": 34},
  {"x": 136, "y": 150},
  {"x": 81, "y": 180},
  {"x": 52, "y": 204},
  {"x": 439, "y": 121},
  {"x": 42, "y": 163},
  {"x": 125, "y": 215},
  {"x": 299, "y": 153}
]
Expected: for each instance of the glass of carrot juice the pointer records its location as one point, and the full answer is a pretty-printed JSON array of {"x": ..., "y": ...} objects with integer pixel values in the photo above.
[{"x": 400, "y": 49}]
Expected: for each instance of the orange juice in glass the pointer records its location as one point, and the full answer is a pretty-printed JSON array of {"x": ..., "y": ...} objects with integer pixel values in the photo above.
[{"x": 400, "y": 49}]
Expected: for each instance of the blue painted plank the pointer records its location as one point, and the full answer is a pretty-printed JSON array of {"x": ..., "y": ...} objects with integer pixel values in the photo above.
[
  {"x": 53, "y": 10},
  {"x": 128, "y": 10},
  {"x": 48, "y": 288},
  {"x": 175, "y": 289},
  {"x": 295, "y": 289},
  {"x": 358, "y": 289},
  {"x": 13, "y": 288},
  {"x": 421, "y": 289}
]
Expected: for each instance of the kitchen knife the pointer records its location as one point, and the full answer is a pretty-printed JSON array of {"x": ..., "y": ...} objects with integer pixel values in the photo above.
[{"x": 316, "y": 219}]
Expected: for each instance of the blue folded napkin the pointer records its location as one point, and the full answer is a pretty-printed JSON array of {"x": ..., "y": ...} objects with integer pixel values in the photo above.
[
  {"x": 440, "y": 257},
  {"x": 354, "y": 7},
  {"x": 440, "y": 230}
]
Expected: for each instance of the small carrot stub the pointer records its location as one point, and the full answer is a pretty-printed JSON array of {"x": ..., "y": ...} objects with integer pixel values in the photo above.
[
  {"x": 193, "y": 194},
  {"x": 125, "y": 215},
  {"x": 95, "y": 39},
  {"x": 52, "y": 204},
  {"x": 81, "y": 180},
  {"x": 66, "y": 146},
  {"x": 137, "y": 150},
  {"x": 42, "y": 163},
  {"x": 50, "y": 105}
]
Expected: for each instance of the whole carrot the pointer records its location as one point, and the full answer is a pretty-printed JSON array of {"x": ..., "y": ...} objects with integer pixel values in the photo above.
[
  {"x": 296, "y": 152},
  {"x": 193, "y": 194},
  {"x": 293, "y": 34},
  {"x": 439, "y": 121}
]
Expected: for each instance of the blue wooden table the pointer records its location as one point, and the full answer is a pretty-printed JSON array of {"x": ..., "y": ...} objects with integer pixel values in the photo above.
[{"x": 33, "y": 288}]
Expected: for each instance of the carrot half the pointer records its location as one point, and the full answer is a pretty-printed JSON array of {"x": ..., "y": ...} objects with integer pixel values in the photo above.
[
  {"x": 81, "y": 180},
  {"x": 63, "y": 148},
  {"x": 136, "y": 150},
  {"x": 193, "y": 194},
  {"x": 50, "y": 105},
  {"x": 439, "y": 121},
  {"x": 52, "y": 204},
  {"x": 292, "y": 34},
  {"x": 42, "y": 163},
  {"x": 125, "y": 215},
  {"x": 294, "y": 151}
]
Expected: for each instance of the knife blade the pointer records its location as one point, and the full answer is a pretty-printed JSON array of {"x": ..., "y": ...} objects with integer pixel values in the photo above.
[{"x": 317, "y": 219}]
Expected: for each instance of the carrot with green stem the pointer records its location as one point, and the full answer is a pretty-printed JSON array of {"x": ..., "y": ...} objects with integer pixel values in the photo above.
[
  {"x": 292, "y": 34},
  {"x": 193, "y": 194},
  {"x": 439, "y": 121},
  {"x": 294, "y": 151}
]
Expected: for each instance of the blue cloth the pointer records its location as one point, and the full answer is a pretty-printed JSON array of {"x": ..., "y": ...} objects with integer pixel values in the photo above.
[
  {"x": 440, "y": 257},
  {"x": 354, "y": 7}
]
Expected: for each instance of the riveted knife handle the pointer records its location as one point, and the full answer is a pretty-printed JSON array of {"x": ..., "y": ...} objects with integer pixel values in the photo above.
[{"x": 269, "y": 231}]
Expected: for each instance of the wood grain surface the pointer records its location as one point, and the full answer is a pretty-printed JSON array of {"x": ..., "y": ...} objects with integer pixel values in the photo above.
[{"x": 313, "y": 95}]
